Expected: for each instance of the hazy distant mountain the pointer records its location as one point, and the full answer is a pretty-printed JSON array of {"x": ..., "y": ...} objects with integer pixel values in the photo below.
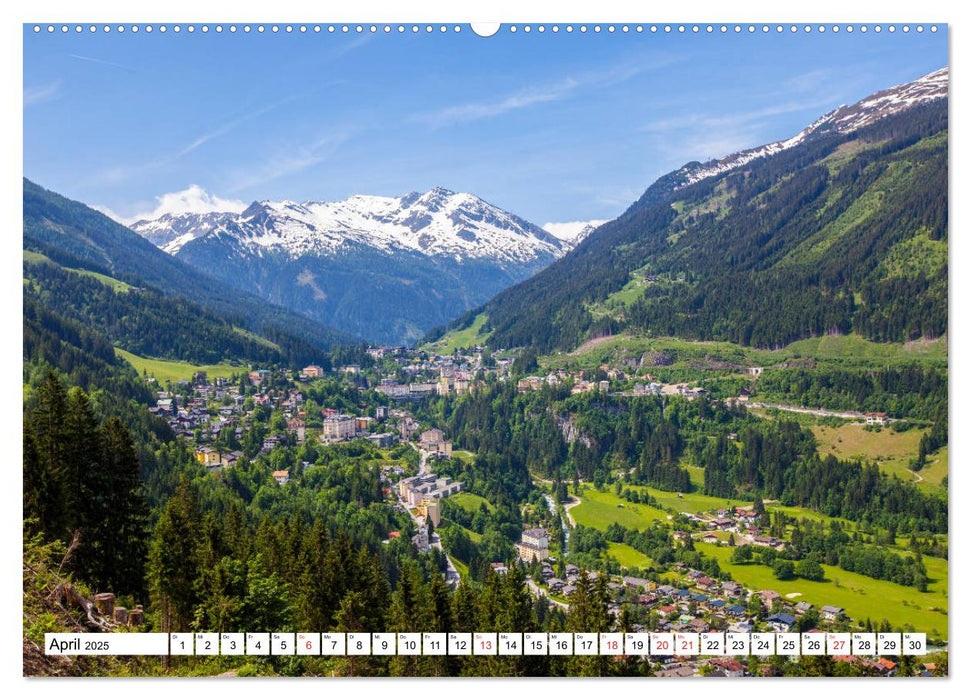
[{"x": 572, "y": 232}]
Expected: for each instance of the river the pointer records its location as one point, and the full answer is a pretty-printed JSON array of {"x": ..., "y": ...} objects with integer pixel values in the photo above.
[{"x": 551, "y": 504}]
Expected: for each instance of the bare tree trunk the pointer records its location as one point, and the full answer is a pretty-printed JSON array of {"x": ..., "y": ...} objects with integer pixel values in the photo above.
[{"x": 66, "y": 594}]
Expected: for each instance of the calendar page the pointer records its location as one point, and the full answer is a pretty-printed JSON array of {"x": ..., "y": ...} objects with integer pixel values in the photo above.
[{"x": 435, "y": 349}]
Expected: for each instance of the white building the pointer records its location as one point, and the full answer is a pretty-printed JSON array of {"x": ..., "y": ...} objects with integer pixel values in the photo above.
[{"x": 339, "y": 427}]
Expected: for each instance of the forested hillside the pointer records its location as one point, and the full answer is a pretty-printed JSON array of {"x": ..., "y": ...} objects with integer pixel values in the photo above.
[
  {"x": 77, "y": 236},
  {"x": 843, "y": 233},
  {"x": 148, "y": 323}
]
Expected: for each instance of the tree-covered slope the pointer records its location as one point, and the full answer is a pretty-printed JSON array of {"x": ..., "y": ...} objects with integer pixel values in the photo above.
[
  {"x": 845, "y": 232},
  {"x": 148, "y": 323},
  {"x": 77, "y": 236}
]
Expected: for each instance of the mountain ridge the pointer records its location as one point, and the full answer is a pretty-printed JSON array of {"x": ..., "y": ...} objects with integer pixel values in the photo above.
[
  {"x": 384, "y": 268},
  {"x": 843, "y": 119},
  {"x": 438, "y": 222},
  {"x": 842, "y": 229}
]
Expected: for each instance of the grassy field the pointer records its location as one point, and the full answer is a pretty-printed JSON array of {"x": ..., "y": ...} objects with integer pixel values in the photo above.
[
  {"x": 466, "y": 337},
  {"x": 862, "y": 597},
  {"x": 473, "y": 535},
  {"x": 892, "y": 451},
  {"x": 249, "y": 335},
  {"x": 470, "y": 502},
  {"x": 598, "y": 509},
  {"x": 853, "y": 441},
  {"x": 855, "y": 348},
  {"x": 692, "y": 502},
  {"x": 936, "y": 469},
  {"x": 697, "y": 475},
  {"x": 461, "y": 567},
  {"x": 116, "y": 285},
  {"x": 628, "y": 557},
  {"x": 172, "y": 370}
]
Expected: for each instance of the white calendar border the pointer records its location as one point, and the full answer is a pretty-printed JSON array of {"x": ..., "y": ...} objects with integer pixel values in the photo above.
[{"x": 507, "y": 10}]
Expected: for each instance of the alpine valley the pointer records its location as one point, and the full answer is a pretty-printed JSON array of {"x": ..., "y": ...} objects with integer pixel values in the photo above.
[
  {"x": 383, "y": 268},
  {"x": 725, "y": 410}
]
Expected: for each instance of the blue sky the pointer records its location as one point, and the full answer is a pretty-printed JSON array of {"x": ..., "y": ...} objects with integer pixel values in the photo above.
[{"x": 553, "y": 127}]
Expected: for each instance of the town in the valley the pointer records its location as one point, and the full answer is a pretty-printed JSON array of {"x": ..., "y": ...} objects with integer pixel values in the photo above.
[{"x": 266, "y": 415}]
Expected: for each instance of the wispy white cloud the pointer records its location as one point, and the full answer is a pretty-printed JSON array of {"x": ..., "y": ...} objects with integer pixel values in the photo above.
[
  {"x": 42, "y": 93},
  {"x": 704, "y": 135},
  {"x": 479, "y": 110},
  {"x": 552, "y": 91},
  {"x": 224, "y": 129},
  {"x": 810, "y": 81},
  {"x": 722, "y": 120},
  {"x": 192, "y": 200},
  {"x": 101, "y": 61},
  {"x": 110, "y": 213},
  {"x": 293, "y": 159},
  {"x": 340, "y": 49},
  {"x": 120, "y": 173}
]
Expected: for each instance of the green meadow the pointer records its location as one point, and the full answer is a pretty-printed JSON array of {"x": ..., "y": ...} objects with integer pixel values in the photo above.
[
  {"x": 861, "y": 596},
  {"x": 598, "y": 509},
  {"x": 628, "y": 557},
  {"x": 892, "y": 451},
  {"x": 846, "y": 350},
  {"x": 470, "y": 502},
  {"x": 464, "y": 338},
  {"x": 116, "y": 285},
  {"x": 174, "y": 370}
]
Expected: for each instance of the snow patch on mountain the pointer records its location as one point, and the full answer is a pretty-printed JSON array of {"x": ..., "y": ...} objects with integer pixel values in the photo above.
[{"x": 844, "y": 119}]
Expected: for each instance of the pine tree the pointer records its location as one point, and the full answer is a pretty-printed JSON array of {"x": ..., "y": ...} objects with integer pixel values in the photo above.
[
  {"x": 32, "y": 491},
  {"x": 85, "y": 481},
  {"x": 46, "y": 424},
  {"x": 464, "y": 608},
  {"x": 316, "y": 602},
  {"x": 123, "y": 533},
  {"x": 173, "y": 560}
]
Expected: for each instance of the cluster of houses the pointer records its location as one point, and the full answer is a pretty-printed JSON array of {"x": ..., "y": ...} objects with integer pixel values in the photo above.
[
  {"x": 204, "y": 409},
  {"x": 566, "y": 586},
  {"x": 742, "y": 521},
  {"x": 658, "y": 389},
  {"x": 434, "y": 375},
  {"x": 700, "y": 604},
  {"x": 704, "y": 604},
  {"x": 188, "y": 413},
  {"x": 581, "y": 384}
]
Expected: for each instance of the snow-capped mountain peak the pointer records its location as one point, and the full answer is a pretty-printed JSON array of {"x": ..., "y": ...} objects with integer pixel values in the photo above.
[{"x": 436, "y": 223}]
